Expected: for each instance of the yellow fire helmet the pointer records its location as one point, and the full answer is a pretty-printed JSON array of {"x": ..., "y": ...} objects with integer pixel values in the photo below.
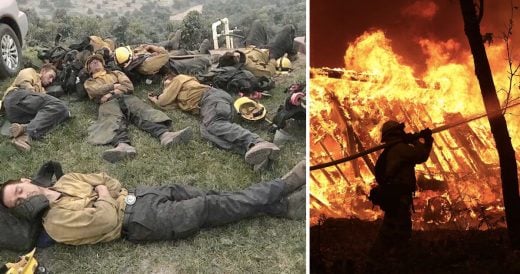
[
  {"x": 122, "y": 55},
  {"x": 283, "y": 64},
  {"x": 249, "y": 109},
  {"x": 26, "y": 265}
]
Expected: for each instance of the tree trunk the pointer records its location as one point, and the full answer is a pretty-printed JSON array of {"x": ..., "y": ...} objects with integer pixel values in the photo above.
[{"x": 506, "y": 153}]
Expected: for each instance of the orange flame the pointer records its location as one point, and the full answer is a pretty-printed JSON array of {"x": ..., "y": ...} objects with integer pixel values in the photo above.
[{"x": 460, "y": 183}]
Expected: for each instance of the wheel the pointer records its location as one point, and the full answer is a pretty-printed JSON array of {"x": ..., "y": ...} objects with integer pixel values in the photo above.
[{"x": 10, "y": 52}]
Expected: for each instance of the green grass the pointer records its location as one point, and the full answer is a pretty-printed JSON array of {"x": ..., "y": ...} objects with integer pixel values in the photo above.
[{"x": 264, "y": 244}]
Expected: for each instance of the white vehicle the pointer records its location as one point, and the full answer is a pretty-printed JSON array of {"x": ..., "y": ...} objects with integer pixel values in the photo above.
[{"x": 13, "y": 28}]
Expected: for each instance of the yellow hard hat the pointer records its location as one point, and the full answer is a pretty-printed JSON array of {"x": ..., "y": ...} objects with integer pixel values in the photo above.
[
  {"x": 283, "y": 63},
  {"x": 249, "y": 109},
  {"x": 26, "y": 265},
  {"x": 122, "y": 55}
]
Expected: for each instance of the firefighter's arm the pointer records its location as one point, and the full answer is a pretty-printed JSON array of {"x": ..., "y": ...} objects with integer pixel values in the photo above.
[
  {"x": 96, "y": 179},
  {"x": 155, "y": 50},
  {"x": 154, "y": 63},
  {"x": 27, "y": 85},
  {"x": 422, "y": 151},
  {"x": 123, "y": 85},
  {"x": 72, "y": 226},
  {"x": 96, "y": 89},
  {"x": 170, "y": 93}
]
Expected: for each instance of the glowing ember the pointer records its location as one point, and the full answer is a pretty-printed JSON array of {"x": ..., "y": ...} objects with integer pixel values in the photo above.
[{"x": 459, "y": 186}]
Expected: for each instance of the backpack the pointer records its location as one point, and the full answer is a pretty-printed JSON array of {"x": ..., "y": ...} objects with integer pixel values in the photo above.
[
  {"x": 379, "y": 194},
  {"x": 21, "y": 227},
  {"x": 288, "y": 110},
  {"x": 71, "y": 74},
  {"x": 386, "y": 195}
]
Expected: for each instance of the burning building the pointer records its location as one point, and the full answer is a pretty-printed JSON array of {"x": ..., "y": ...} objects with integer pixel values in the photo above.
[{"x": 459, "y": 186}]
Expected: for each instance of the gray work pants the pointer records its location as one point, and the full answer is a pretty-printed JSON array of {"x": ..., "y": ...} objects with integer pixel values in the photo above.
[
  {"x": 216, "y": 109},
  {"x": 114, "y": 115},
  {"x": 175, "y": 212},
  {"x": 41, "y": 112},
  {"x": 191, "y": 66},
  {"x": 281, "y": 43}
]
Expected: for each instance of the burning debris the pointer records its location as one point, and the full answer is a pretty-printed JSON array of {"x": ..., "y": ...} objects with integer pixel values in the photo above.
[{"x": 458, "y": 187}]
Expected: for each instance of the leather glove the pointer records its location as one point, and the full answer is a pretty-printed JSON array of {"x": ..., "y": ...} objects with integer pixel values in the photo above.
[
  {"x": 31, "y": 207},
  {"x": 426, "y": 134},
  {"x": 44, "y": 175}
]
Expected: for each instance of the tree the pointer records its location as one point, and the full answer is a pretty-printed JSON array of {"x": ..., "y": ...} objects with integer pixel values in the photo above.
[
  {"x": 497, "y": 122},
  {"x": 120, "y": 30},
  {"x": 192, "y": 31}
]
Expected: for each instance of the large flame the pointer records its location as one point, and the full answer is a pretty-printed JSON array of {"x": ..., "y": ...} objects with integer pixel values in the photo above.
[{"x": 459, "y": 186}]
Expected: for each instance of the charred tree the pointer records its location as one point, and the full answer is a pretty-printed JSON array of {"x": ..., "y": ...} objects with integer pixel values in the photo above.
[{"x": 506, "y": 153}]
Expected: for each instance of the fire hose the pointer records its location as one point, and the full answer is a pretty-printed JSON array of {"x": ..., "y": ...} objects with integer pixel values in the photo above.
[{"x": 385, "y": 145}]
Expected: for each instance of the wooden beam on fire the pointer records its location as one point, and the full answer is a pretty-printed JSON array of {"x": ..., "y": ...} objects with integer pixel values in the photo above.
[
  {"x": 360, "y": 147},
  {"x": 336, "y": 103},
  {"x": 332, "y": 159},
  {"x": 352, "y": 149},
  {"x": 461, "y": 135},
  {"x": 441, "y": 143}
]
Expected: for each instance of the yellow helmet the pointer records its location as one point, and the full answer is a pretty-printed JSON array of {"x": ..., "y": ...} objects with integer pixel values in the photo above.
[
  {"x": 122, "y": 55},
  {"x": 283, "y": 64},
  {"x": 249, "y": 109}
]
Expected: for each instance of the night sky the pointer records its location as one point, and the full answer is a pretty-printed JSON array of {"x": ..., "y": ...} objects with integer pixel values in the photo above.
[{"x": 336, "y": 23}]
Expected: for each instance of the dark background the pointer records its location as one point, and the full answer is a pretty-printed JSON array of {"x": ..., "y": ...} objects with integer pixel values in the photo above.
[{"x": 336, "y": 23}]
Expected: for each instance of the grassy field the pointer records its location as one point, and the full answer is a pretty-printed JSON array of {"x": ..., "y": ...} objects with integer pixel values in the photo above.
[{"x": 260, "y": 245}]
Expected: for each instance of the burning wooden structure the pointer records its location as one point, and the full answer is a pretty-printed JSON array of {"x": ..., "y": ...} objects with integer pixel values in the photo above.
[{"x": 458, "y": 187}]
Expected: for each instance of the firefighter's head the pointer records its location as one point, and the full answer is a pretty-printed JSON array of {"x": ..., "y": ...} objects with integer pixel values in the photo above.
[{"x": 391, "y": 130}]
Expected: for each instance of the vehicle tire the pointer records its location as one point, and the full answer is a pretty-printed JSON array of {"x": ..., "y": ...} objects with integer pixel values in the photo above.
[{"x": 10, "y": 52}]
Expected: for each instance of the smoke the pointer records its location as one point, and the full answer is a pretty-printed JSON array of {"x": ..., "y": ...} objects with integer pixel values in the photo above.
[
  {"x": 421, "y": 9},
  {"x": 336, "y": 23}
]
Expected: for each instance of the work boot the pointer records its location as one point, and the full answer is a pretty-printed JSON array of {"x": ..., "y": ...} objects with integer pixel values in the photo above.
[
  {"x": 204, "y": 47},
  {"x": 17, "y": 129},
  {"x": 294, "y": 178},
  {"x": 296, "y": 208},
  {"x": 178, "y": 137},
  {"x": 260, "y": 152},
  {"x": 22, "y": 142},
  {"x": 120, "y": 152}
]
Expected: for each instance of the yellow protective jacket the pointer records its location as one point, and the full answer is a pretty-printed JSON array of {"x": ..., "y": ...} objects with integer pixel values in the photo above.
[
  {"x": 258, "y": 62},
  {"x": 79, "y": 216},
  {"x": 183, "y": 92},
  {"x": 102, "y": 82},
  {"x": 154, "y": 62},
  {"x": 28, "y": 79}
]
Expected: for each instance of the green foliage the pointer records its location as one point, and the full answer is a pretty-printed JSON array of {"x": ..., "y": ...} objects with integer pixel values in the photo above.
[
  {"x": 151, "y": 22},
  {"x": 275, "y": 13},
  {"x": 193, "y": 31}
]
